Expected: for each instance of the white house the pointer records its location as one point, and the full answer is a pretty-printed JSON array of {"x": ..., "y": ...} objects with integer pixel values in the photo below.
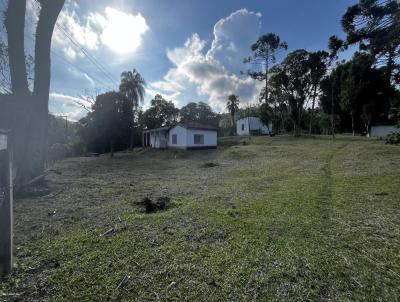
[
  {"x": 380, "y": 131},
  {"x": 252, "y": 125},
  {"x": 185, "y": 136}
]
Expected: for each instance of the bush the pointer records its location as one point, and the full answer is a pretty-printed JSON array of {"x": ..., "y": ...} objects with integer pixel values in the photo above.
[{"x": 393, "y": 138}]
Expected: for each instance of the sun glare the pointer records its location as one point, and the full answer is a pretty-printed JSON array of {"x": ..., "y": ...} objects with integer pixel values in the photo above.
[{"x": 123, "y": 32}]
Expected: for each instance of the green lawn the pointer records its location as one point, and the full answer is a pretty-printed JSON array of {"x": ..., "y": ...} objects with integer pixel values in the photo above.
[{"x": 277, "y": 219}]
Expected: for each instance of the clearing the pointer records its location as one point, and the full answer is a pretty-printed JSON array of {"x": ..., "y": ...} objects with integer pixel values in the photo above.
[{"x": 270, "y": 219}]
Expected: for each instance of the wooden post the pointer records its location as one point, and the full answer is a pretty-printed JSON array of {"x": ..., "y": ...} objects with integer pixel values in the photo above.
[{"x": 6, "y": 205}]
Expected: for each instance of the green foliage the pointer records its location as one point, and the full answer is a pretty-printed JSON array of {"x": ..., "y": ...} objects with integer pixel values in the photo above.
[
  {"x": 161, "y": 113},
  {"x": 198, "y": 112},
  {"x": 361, "y": 93},
  {"x": 63, "y": 139},
  {"x": 108, "y": 127},
  {"x": 266, "y": 114},
  {"x": 393, "y": 138},
  {"x": 375, "y": 26},
  {"x": 264, "y": 54},
  {"x": 292, "y": 81},
  {"x": 133, "y": 87},
  {"x": 232, "y": 106}
]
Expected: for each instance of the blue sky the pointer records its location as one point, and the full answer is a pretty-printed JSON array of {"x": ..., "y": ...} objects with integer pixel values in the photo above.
[{"x": 186, "y": 50}]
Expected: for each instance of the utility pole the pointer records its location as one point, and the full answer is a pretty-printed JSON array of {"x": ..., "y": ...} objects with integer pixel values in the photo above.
[{"x": 6, "y": 205}]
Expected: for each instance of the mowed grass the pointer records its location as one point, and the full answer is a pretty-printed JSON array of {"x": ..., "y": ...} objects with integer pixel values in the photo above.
[{"x": 275, "y": 219}]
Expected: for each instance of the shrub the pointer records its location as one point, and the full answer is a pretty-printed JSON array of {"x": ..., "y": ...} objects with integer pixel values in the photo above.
[{"x": 393, "y": 138}]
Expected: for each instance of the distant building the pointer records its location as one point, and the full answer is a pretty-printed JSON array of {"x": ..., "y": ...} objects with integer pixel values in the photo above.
[
  {"x": 381, "y": 131},
  {"x": 184, "y": 136},
  {"x": 252, "y": 126}
]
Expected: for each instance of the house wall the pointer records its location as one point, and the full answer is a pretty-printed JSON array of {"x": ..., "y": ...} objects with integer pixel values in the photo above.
[
  {"x": 382, "y": 131},
  {"x": 210, "y": 138},
  {"x": 158, "y": 140},
  {"x": 255, "y": 125},
  {"x": 181, "y": 138}
]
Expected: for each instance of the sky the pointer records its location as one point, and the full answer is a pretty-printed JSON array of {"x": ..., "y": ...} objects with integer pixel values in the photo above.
[{"x": 186, "y": 50}]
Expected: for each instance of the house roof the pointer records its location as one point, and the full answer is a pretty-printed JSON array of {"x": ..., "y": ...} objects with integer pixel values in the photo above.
[
  {"x": 158, "y": 129},
  {"x": 187, "y": 125},
  {"x": 196, "y": 125}
]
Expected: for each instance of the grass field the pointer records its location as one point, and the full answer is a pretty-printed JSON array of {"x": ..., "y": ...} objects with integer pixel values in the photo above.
[{"x": 275, "y": 219}]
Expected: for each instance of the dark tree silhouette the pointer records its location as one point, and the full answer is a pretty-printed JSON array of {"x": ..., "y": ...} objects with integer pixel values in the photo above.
[
  {"x": 317, "y": 63},
  {"x": 161, "y": 113},
  {"x": 291, "y": 77},
  {"x": 112, "y": 116},
  {"x": 233, "y": 107},
  {"x": 25, "y": 112},
  {"x": 264, "y": 54},
  {"x": 374, "y": 25},
  {"x": 198, "y": 112},
  {"x": 133, "y": 87}
]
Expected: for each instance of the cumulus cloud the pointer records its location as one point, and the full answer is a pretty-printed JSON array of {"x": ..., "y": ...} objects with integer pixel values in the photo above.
[
  {"x": 119, "y": 31},
  {"x": 233, "y": 36},
  {"x": 215, "y": 73},
  {"x": 61, "y": 104}
]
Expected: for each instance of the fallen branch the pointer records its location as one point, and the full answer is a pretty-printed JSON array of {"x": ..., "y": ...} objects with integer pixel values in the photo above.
[
  {"x": 123, "y": 281},
  {"x": 108, "y": 232}
]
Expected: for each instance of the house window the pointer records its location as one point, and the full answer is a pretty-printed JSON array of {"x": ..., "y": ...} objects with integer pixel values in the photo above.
[
  {"x": 174, "y": 139},
  {"x": 242, "y": 127},
  {"x": 199, "y": 139}
]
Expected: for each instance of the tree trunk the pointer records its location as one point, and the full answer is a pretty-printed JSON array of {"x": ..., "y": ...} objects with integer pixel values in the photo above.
[
  {"x": 50, "y": 9},
  {"x": 233, "y": 125},
  {"x": 17, "y": 115},
  {"x": 132, "y": 139},
  {"x": 352, "y": 124},
  {"x": 15, "y": 26},
  {"x": 266, "y": 77},
  {"x": 111, "y": 148},
  {"x": 312, "y": 111}
]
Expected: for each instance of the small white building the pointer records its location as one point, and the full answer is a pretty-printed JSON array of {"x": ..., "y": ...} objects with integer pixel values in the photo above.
[
  {"x": 184, "y": 136},
  {"x": 252, "y": 125},
  {"x": 381, "y": 131}
]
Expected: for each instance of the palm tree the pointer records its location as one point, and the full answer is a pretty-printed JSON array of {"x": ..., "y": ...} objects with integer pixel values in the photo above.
[
  {"x": 233, "y": 106},
  {"x": 133, "y": 87}
]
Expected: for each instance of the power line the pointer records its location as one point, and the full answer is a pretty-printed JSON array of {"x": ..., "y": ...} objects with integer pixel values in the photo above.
[
  {"x": 86, "y": 54},
  {"x": 84, "y": 51},
  {"x": 76, "y": 66}
]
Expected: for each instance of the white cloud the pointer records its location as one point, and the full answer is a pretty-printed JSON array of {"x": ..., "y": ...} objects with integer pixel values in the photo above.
[
  {"x": 61, "y": 104},
  {"x": 119, "y": 31},
  {"x": 71, "y": 24},
  {"x": 233, "y": 37},
  {"x": 215, "y": 73},
  {"x": 69, "y": 53}
]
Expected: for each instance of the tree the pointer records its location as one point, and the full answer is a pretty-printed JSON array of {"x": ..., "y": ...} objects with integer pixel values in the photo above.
[
  {"x": 266, "y": 115},
  {"x": 264, "y": 53},
  {"x": 198, "y": 112},
  {"x": 291, "y": 78},
  {"x": 133, "y": 87},
  {"x": 112, "y": 117},
  {"x": 317, "y": 64},
  {"x": 161, "y": 113},
  {"x": 348, "y": 98},
  {"x": 360, "y": 90},
  {"x": 375, "y": 26},
  {"x": 23, "y": 111},
  {"x": 233, "y": 106}
]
